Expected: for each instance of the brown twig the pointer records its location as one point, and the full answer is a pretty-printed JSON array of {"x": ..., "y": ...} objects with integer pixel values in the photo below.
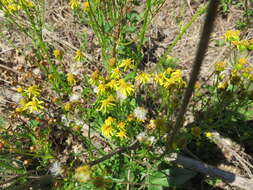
[
  {"x": 8, "y": 68},
  {"x": 134, "y": 146},
  {"x": 16, "y": 177},
  {"x": 203, "y": 44}
]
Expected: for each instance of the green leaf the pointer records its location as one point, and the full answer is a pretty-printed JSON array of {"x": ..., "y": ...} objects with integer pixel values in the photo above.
[
  {"x": 155, "y": 187},
  {"x": 130, "y": 76},
  {"x": 219, "y": 43},
  {"x": 158, "y": 178},
  {"x": 130, "y": 29},
  {"x": 178, "y": 176}
]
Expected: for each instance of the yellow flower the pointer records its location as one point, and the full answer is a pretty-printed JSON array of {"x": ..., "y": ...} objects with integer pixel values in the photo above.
[
  {"x": 122, "y": 126},
  {"x": 197, "y": 85},
  {"x": 13, "y": 7},
  {"x": 107, "y": 104},
  {"x": 86, "y": 6},
  {"x": 177, "y": 75},
  {"x": 20, "y": 90},
  {"x": 22, "y": 102},
  {"x": 151, "y": 124},
  {"x": 127, "y": 64},
  {"x": 130, "y": 117},
  {"x": 220, "y": 66},
  {"x": 112, "y": 62},
  {"x": 107, "y": 130},
  {"x": 33, "y": 91},
  {"x": 71, "y": 79},
  {"x": 83, "y": 173},
  {"x": 244, "y": 42},
  {"x": 94, "y": 78},
  {"x": 58, "y": 54},
  {"x": 27, "y": 3},
  {"x": 125, "y": 88},
  {"x": 101, "y": 89},
  {"x": 116, "y": 73},
  {"x": 112, "y": 84},
  {"x": 222, "y": 85},
  {"x": 176, "y": 79},
  {"x": 121, "y": 134},
  {"x": 109, "y": 121},
  {"x": 19, "y": 109},
  {"x": 246, "y": 72},
  {"x": 209, "y": 134},
  {"x": 34, "y": 105},
  {"x": 169, "y": 71},
  {"x": 74, "y": 4},
  {"x": 50, "y": 76},
  {"x": 67, "y": 106},
  {"x": 241, "y": 45},
  {"x": 242, "y": 61},
  {"x": 159, "y": 78},
  {"x": 78, "y": 56},
  {"x": 143, "y": 78},
  {"x": 232, "y": 35}
]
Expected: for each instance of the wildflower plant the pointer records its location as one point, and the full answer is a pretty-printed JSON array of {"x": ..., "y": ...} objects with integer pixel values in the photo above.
[{"x": 109, "y": 127}]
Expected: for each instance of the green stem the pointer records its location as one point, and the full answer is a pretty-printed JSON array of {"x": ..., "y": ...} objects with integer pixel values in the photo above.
[
  {"x": 142, "y": 35},
  {"x": 199, "y": 12}
]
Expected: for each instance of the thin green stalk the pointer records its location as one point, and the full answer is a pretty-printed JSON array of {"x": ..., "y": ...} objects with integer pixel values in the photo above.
[
  {"x": 98, "y": 29},
  {"x": 16, "y": 151},
  {"x": 199, "y": 12},
  {"x": 142, "y": 34},
  {"x": 145, "y": 25}
]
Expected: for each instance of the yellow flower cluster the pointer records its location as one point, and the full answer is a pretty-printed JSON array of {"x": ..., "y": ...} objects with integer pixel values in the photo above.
[
  {"x": 107, "y": 103},
  {"x": 241, "y": 69},
  {"x": 115, "y": 85},
  {"x": 170, "y": 79},
  {"x": 58, "y": 54},
  {"x": 95, "y": 78},
  {"x": 10, "y": 6},
  {"x": 71, "y": 79},
  {"x": 33, "y": 103},
  {"x": 233, "y": 36},
  {"x": 112, "y": 128},
  {"x": 83, "y": 173},
  {"x": 86, "y": 6},
  {"x": 112, "y": 86},
  {"x": 79, "y": 56},
  {"x": 75, "y": 4},
  {"x": 125, "y": 64},
  {"x": 220, "y": 66},
  {"x": 124, "y": 87},
  {"x": 143, "y": 78}
]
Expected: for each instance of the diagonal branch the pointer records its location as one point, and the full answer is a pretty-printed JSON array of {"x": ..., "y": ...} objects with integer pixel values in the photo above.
[{"x": 203, "y": 44}]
